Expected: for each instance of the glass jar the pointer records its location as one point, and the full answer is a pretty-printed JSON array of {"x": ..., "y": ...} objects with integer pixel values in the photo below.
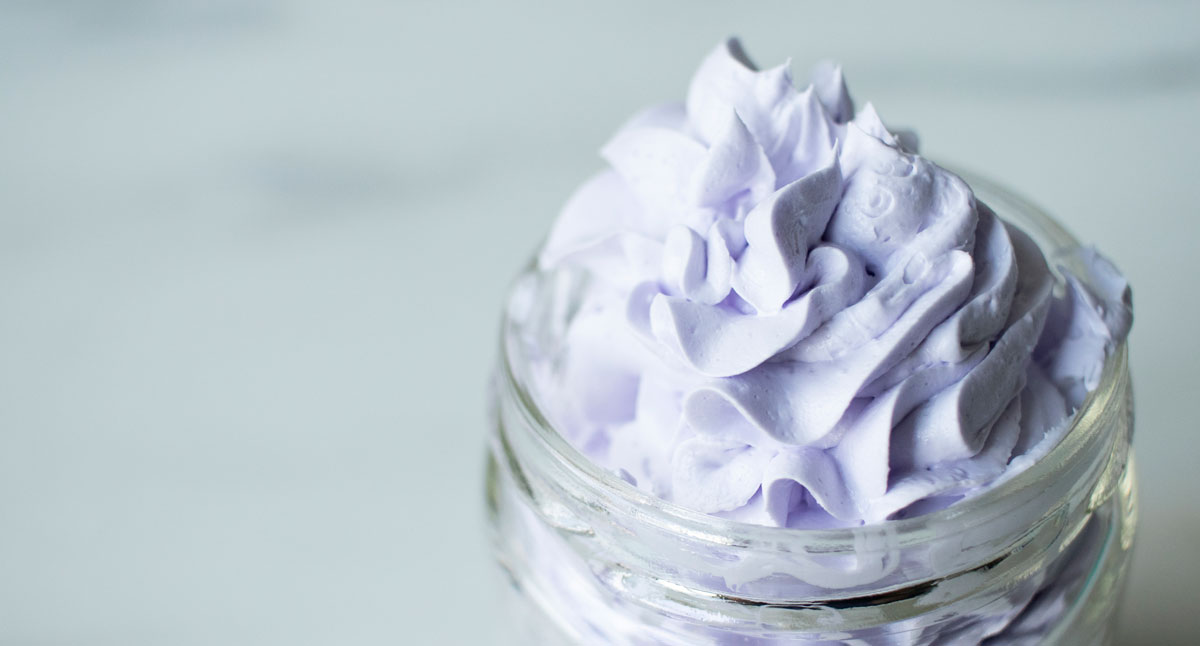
[{"x": 1040, "y": 558}]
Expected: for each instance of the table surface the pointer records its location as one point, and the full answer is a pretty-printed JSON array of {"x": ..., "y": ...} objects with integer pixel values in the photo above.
[{"x": 253, "y": 254}]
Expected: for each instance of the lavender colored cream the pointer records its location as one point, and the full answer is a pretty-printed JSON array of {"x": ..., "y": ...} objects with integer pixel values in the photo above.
[{"x": 794, "y": 319}]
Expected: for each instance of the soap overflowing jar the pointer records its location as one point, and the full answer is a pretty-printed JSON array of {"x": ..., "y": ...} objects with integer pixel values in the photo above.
[{"x": 1040, "y": 558}]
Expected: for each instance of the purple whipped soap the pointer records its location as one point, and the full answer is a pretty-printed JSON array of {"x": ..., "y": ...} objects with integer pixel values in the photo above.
[{"x": 791, "y": 318}]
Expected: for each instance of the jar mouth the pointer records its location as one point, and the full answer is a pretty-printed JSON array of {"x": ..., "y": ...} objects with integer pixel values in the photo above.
[{"x": 1085, "y": 430}]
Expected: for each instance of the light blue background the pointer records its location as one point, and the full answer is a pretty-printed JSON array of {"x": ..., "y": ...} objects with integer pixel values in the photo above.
[{"x": 252, "y": 256}]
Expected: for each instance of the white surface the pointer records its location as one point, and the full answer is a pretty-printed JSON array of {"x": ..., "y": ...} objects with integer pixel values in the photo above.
[{"x": 241, "y": 386}]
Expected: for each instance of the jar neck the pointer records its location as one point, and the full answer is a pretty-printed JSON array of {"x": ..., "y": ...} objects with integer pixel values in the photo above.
[{"x": 685, "y": 563}]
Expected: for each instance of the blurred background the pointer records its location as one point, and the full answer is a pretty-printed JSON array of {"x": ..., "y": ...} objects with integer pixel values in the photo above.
[{"x": 252, "y": 256}]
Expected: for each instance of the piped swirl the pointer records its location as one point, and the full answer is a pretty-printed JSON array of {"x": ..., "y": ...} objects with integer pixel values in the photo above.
[{"x": 794, "y": 319}]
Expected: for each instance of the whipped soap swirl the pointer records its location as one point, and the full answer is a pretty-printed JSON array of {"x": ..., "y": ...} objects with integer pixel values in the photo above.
[{"x": 793, "y": 319}]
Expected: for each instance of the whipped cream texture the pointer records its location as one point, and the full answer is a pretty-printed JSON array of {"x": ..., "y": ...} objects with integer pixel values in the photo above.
[{"x": 791, "y": 318}]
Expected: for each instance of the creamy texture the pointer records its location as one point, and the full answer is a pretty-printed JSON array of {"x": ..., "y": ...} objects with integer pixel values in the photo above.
[{"x": 793, "y": 319}]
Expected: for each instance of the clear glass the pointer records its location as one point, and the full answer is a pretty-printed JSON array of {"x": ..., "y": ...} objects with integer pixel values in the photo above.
[{"x": 1040, "y": 558}]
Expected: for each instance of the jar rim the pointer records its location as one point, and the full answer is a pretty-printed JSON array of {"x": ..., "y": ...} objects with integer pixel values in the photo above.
[{"x": 1086, "y": 424}]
